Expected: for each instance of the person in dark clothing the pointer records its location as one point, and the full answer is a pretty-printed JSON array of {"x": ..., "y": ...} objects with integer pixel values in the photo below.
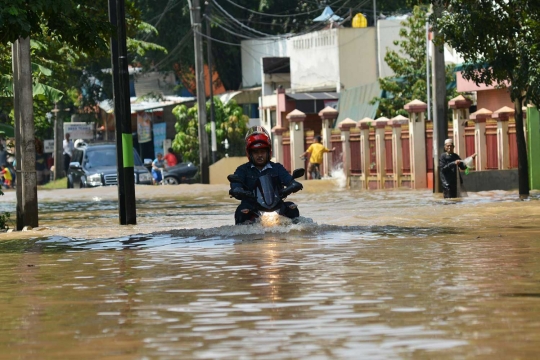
[
  {"x": 258, "y": 152},
  {"x": 449, "y": 165}
]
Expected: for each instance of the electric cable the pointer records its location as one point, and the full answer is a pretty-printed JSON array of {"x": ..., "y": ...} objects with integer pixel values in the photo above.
[{"x": 276, "y": 15}]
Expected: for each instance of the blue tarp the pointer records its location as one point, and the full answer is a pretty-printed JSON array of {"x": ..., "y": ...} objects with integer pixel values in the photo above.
[{"x": 328, "y": 14}]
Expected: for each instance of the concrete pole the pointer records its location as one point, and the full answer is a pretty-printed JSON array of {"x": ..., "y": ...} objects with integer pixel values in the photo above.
[
  {"x": 365, "y": 157},
  {"x": 328, "y": 116},
  {"x": 397, "y": 152},
  {"x": 503, "y": 150},
  {"x": 380, "y": 151},
  {"x": 296, "y": 127},
  {"x": 201, "y": 96},
  {"x": 417, "y": 143},
  {"x": 460, "y": 114},
  {"x": 479, "y": 117},
  {"x": 345, "y": 126},
  {"x": 27, "y": 208},
  {"x": 278, "y": 143},
  {"x": 440, "y": 109},
  {"x": 58, "y": 172}
]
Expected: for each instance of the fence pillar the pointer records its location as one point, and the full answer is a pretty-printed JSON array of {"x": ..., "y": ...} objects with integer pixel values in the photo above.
[
  {"x": 345, "y": 127},
  {"x": 397, "y": 153},
  {"x": 417, "y": 143},
  {"x": 278, "y": 143},
  {"x": 460, "y": 114},
  {"x": 365, "y": 158},
  {"x": 296, "y": 127},
  {"x": 479, "y": 117},
  {"x": 328, "y": 116},
  {"x": 380, "y": 151},
  {"x": 503, "y": 150}
]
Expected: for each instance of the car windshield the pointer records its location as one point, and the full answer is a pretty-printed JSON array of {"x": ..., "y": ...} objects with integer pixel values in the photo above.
[{"x": 106, "y": 157}]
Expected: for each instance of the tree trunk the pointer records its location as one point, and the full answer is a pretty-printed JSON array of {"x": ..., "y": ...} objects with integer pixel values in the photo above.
[{"x": 523, "y": 165}]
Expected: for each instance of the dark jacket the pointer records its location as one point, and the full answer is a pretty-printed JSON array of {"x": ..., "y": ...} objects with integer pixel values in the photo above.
[
  {"x": 448, "y": 169},
  {"x": 249, "y": 174}
]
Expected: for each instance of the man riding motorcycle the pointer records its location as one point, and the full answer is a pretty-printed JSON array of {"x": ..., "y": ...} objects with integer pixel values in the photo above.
[{"x": 258, "y": 152}]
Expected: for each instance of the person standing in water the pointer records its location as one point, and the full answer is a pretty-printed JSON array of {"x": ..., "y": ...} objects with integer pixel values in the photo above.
[
  {"x": 449, "y": 165},
  {"x": 315, "y": 152}
]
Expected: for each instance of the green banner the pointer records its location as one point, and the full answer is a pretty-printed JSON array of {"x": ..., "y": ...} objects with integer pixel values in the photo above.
[{"x": 127, "y": 150}]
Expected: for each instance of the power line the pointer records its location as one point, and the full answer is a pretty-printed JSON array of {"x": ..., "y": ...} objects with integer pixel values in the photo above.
[
  {"x": 238, "y": 22},
  {"x": 276, "y": 15}
]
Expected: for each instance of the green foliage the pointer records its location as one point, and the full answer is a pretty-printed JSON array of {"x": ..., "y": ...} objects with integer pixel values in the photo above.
[
  {"x": 409, "y": 67},
  {"x": 4, "y": 219},
  {"x": 499, "y": 42},
  {"x": 231, "y": 124}
]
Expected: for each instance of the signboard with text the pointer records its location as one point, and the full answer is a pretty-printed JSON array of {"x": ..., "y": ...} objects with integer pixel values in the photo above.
[
  {"x": 48, "y": 146},
  {"x": 79, "y": 130}
]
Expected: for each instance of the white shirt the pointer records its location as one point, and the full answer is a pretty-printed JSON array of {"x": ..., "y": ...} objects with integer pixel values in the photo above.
[{"x": 68, "y": 147}]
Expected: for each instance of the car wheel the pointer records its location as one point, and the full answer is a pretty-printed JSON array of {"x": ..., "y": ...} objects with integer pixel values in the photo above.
[
  {"x": 169, "y": 180},
  {"x": 69, "y": 183}
]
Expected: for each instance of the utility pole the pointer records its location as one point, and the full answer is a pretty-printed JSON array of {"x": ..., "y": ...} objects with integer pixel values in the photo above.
[
  {"x": 122, "y": 114},
  {"x": 377, "y": 71},
  {"x": 201, "y": 97},
  {"x": 27, "y": 201},
  {"x": 211, "y": 75},
  {"x": 58, "y": 148},
  {"x": 440, "y": 107}
]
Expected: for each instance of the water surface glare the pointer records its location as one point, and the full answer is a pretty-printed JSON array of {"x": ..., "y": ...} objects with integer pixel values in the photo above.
[{"x": 376, "y": 275}]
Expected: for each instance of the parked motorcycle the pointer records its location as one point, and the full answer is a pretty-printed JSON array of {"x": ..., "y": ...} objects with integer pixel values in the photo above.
[{"x": 268, "y": 194}]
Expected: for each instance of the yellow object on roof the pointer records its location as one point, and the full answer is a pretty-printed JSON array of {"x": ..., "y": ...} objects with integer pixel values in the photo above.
[{"x": 359, "y": 21}]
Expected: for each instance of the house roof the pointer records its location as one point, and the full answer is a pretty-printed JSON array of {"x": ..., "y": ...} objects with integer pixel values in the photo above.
[{"x": 145, "y": 105}]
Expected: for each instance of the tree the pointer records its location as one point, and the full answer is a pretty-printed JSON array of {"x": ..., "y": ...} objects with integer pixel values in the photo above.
[
  {"x": 409, "y": 67},
  {"x": 499, "y": 43},
  {"x": 231, "y": 124}
]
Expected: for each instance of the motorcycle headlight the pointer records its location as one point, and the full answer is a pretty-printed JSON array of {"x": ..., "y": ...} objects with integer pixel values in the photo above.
[
  {"x": 145, "y": 177},
  {"x": 94, "y": 180}
]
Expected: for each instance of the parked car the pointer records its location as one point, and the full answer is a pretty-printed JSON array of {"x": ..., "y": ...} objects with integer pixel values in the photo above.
[
  {"x": 181, "y": 173},
  {"x": 95, "y": 165}
]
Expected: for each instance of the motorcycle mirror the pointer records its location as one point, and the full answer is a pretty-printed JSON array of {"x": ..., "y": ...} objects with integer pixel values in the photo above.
[{"x": 298, "y": 173}]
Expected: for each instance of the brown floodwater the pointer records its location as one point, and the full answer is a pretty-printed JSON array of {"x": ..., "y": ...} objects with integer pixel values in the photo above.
[{"x": 365, "y": 274}]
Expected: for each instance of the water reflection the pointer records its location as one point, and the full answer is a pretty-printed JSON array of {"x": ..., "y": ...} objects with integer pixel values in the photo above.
[{"x": 397, "y": 274}]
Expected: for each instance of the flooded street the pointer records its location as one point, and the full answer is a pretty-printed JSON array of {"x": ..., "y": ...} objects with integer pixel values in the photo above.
[{"x": 376, "y": 275}]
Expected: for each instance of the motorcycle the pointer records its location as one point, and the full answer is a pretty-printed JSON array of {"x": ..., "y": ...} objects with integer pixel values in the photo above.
[{"x": 268, "y": 194}]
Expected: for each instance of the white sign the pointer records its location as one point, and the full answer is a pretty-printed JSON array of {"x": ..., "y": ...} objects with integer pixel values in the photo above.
[
  {"x": 79, "y": 130},
  {"x": 48, "y": 146}
]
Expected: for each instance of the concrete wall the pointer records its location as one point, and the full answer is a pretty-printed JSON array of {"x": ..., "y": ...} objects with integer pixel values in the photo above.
[
  {"x": 224, "y": 167},
  {"x": 388, "y": 32},
  {"x": 357, "y": 63},
  {"x": 252, "y": 51},
  {"x": 491, "y": 180},
  {"x": 493, "y": 99},
  {"x": 314, "y": 60},
  {"x": 475, "y": 181}
]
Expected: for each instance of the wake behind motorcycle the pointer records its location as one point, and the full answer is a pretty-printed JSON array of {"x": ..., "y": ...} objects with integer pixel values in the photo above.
[{"x": 268, "y": 194}]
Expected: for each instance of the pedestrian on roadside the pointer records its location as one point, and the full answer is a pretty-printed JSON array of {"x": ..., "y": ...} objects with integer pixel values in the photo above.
[
  {"x": 170, "y": 157},
  {"x": 449, "y": 165},
  {"x": 316, "y": 151},
  {"x": 68, "y": 147},
  {"x": 158, "y": 165}
]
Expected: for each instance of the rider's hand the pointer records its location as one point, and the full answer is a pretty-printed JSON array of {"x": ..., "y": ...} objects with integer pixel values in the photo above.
[{"x": 241, "y": 194}]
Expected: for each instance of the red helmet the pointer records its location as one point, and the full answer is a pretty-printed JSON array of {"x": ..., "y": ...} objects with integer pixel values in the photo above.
[{"x": 258, "y": 138}]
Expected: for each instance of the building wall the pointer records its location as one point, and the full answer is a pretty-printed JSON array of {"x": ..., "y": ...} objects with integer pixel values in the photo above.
[
  {"x": 388, "y": 32},
  {"x": 493, "y": 99},
  {"x": 252, "y": 51},
  {"x": 357, "y": 61},
  {"x": 314, "y": 60}
]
